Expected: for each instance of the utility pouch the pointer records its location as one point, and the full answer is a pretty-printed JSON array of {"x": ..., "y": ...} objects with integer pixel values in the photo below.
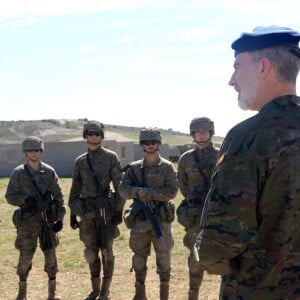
[
  {"x": 167, "y": 212},
  {"x": 129, "y": 218},
  {"x": 77, "y": 207},
  {"x": 186, "y": 213},
  {"x": 53, "y": 211},
  {"x": 17, "y": 217}
]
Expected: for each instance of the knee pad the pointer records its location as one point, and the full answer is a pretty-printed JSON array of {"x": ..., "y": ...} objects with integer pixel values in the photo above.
[
  {"x": 139, "y": 262},
  {"x": 108, "y": 256},
  {"x": 194, "y": 267},
  {"x": 90, "y": 255},
  {"x": 24, "y": 268}
]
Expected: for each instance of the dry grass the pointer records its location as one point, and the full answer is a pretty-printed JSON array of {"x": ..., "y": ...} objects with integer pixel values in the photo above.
[{"x": 73, "y": 278}]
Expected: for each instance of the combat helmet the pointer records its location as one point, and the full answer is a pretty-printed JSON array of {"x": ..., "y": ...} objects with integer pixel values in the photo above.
[
  {"x": 202, "y": 123},
  {"x": 150, "y": 134},
  {"x": 33, "y": 143},
  {"x": 93, "y": 125}
]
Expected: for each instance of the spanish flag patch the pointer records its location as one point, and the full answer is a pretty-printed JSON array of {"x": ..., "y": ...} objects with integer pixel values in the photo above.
[{"x": 221, "y": 159}]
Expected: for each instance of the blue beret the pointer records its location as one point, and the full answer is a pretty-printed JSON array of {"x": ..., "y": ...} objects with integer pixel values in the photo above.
[{"x": 265, "y": 37}]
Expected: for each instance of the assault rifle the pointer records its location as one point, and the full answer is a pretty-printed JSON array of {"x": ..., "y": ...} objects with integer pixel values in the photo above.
[
  {"x": 44, "y": 210},
  {"x": 140, "y": 205},
  {"x": 102, "y": 205},
  {"x": 101, "y": 211},
  {"x": 148, "y": 211},
  {"x": 42, "y": 207}
]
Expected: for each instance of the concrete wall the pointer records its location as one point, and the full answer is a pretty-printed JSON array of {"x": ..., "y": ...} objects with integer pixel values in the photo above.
[{"x": 60, "y": 155}]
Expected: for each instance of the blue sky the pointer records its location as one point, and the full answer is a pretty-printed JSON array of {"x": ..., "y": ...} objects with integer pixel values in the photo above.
[{"x": 134, "y": 63}]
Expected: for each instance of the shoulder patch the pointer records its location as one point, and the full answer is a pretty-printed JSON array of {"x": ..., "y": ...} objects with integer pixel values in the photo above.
[{"x": 221, "y": 159}]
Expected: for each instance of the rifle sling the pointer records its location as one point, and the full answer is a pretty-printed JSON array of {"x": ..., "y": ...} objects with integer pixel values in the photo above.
[
  {"x": 95, "y": 178},
  {"x": 46, "y": 241},
  {"x": 205, "y": 179},
  {"x": 102, "y": 239},
  {"x": 33, "y": 181}
]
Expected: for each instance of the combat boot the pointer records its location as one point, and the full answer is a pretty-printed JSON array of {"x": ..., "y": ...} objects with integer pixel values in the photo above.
[
  {"x": 193, "y": 294},
  {"x": 164, "y": 290},
  {"x": 104, "y": 292},
  {"x": 52, "y": 290},
  {"x": 95, "y": 289},
  {"x": 22, "y": 294},
  {"x": 140, "y": 292}
]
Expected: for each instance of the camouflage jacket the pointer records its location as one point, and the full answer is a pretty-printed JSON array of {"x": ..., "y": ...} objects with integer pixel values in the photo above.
[
  {"x": 251, "y": 221},
  {"x": 192, "y": 184},
  {"x": 20, "y": 186},
  {"x": 160, "y": 180},
  {"x": 106, "y": 165}
]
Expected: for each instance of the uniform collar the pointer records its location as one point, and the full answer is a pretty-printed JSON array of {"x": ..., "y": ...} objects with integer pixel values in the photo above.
[
  {"x": 155, "y": 163},
  {"x": 284, "y": 102}
]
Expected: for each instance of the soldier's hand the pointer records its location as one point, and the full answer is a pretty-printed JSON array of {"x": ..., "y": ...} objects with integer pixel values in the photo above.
[
  {"x": 57, "y": 226},
  {"x": 73, "y": 222},
  {"x": 30, "y": 201},
  {"x": 117, "y": 218},
  {"x": 144, "y": 194}
]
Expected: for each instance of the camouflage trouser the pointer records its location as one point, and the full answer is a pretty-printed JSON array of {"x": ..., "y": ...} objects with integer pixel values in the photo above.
[
  {"x": 28, "y": 234},
  {"x": 89, "y": 230},
  {"x": 141, "y": 237},
  {"x": 195, "y": 271}
]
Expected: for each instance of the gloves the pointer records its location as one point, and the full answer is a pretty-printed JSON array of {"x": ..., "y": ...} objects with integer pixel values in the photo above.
[
  {"x": 30, "y": 201},
  {"x": 144, "y": 194},
  {"x": 117, "y": 218},
  {"x": 57, "y": 226},
  {"x": 73, "y": 222}
]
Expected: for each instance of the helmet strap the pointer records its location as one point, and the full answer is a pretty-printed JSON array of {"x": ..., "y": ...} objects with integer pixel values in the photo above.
[
  {"x": 94, "y": 144},
  {"x": 203, "y": 143}
]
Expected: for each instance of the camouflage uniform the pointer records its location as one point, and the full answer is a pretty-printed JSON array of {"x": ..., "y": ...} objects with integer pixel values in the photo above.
[
  {"x": 194, "y": 187},
  {"x": 29, "y": 222},
  {"x": 159, "y": 185},
  {"x": 106, "y": 165},
  {"x": 251, "y": 217}
]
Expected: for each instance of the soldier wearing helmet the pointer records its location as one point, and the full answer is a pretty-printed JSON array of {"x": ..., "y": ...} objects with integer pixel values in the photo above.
[
  {"x": 33, "y": 143},
  {"x": 202, "y": 129},
  {"x": 150, "y": 180},
  {"x": 195, "y": 168},
  {"x": 150, "y": 134},
  {"x": 34, "y": 187},
  {"x": 99, "y": 127},
  {"x": 92, "y": 200}
]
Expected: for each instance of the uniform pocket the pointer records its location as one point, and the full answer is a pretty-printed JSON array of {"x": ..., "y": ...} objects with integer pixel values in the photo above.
[
  {"x": 17, "y": 217},
  {"x": 129, "y": 218}
]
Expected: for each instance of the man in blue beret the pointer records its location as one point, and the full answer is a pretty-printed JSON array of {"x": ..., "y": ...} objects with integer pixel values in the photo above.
[{"x": 250, "y": 227}]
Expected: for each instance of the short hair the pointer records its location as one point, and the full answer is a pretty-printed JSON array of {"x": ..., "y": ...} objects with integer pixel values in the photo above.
[{"x": 286, "y": 63}]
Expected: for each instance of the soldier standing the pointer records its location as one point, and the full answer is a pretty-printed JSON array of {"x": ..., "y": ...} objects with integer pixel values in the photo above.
[
  {"x": 194, "y": 175},
  {"x": 34, "y": 187},
  {"x": 151, "y": 183},
  {"x": 251, "y": 223},
  {"x": 99, "y": 209}
]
